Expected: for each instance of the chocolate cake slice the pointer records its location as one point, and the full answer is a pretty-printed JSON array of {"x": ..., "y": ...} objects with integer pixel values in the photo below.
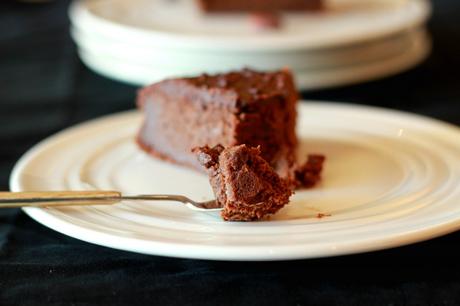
[
  {"x": 259, "y": 5},
  {"x": 244, "y": 183},
  {"x": 241, "y": 107}
]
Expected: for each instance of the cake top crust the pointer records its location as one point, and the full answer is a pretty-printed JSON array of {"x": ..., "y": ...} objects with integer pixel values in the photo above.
[
  {"x": 235, "y": 90},
  {"x": 249, "y": 85}
]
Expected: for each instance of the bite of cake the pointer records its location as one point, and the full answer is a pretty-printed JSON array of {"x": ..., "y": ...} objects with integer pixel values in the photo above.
[{"x": 245, "y": 185}]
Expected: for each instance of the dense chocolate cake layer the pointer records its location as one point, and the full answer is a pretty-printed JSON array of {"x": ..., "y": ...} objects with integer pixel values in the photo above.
[
  {"x": 259, "y": 5},
  {"x": 243, "y": 107},
  {"x": 245, "y": 185}
]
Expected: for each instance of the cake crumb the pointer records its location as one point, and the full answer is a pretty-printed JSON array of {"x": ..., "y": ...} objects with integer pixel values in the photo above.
[{"x": 309, "y": 173}]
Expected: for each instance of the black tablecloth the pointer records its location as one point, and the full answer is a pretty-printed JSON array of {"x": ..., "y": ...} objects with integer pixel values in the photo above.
[{"x": 44, "y": 88}]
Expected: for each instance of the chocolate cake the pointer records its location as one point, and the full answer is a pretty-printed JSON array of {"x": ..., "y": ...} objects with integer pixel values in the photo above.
[
  {"x": 241, "y": 107},
  {"x": 259, "y": 5},
  {"x": 245, "y": 185},
  {"x": 265, "y": 20}
]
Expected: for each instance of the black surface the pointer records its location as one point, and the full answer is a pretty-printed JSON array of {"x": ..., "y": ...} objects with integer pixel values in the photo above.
[{"x": 44, "y": 88}]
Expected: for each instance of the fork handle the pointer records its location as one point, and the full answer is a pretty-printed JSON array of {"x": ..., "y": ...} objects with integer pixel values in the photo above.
[{"x": 58, "y": 198}]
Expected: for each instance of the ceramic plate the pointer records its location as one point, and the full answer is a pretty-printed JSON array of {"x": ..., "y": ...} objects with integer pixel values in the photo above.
[
  {"x": 416, "y": 49},
  {"x": 184, "y": 61},
  {"x": 154, "y": 23},
  {"x": 390, "y": 179}
]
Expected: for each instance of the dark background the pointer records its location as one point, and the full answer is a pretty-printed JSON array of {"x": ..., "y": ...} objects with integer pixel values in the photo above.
[{"x": 44, "y": 88}]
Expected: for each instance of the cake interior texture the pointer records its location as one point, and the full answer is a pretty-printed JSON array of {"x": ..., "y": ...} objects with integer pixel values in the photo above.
[
  {"x": 244, "y": 184},
  {"x": 242, "y": 107}
]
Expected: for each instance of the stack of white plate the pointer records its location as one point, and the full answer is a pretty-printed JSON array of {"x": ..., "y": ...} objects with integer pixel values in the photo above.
[{"x": 142, "y": 41}]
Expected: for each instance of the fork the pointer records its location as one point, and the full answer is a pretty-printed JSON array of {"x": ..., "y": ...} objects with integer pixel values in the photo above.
[{"x": 72, "y": 198}]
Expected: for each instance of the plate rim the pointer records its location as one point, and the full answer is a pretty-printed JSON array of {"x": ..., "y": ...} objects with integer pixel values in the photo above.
[
  {"x": 241, "y": 253},
  {"x": 78, "y": 13},
  {"x": 328, "y": 77}
]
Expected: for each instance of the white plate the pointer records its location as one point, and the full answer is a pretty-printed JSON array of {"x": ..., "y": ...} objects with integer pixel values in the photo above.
[
  {"x": 155, "y": 23},
  {"x": 187, "y": 61},
  {"x": 390, "y": 179},
  {"x": 128, "y": 70}
]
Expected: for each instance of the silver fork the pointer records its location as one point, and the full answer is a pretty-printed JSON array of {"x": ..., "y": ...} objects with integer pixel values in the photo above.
[{"x": 72, "y": 198}]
